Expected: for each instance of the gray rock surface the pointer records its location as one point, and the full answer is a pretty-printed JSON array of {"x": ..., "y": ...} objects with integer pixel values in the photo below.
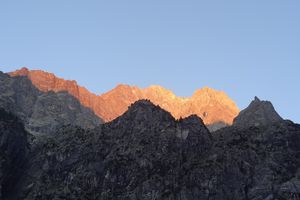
[
  {"x": 42, "y": 112},
  {"x": 258, "y": 113}
]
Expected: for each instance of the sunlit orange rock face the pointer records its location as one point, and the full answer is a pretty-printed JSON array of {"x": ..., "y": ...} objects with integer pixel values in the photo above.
[{"x": 211, "y": 105}]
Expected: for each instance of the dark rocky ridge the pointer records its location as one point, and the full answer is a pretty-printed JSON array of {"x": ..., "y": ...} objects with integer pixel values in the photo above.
[
  {"x": 42, "y": 112},
  {"x": 147, "y": 154}
]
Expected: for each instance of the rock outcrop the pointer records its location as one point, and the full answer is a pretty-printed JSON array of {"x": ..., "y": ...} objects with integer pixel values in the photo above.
[
  {"x": 42, "y": 112},
  {"x": 214, "y": 107},
  {"x": 258, "y": 113}
]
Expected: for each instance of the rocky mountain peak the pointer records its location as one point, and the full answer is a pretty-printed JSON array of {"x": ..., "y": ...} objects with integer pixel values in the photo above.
[
  {"x": 145, "y": 111},
  {"x": 256, "y": 114}
]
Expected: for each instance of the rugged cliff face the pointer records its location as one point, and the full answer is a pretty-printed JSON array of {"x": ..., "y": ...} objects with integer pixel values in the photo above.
[
  {"x": 214, "y": 107},
  {"x": 42, "y": 112},
  {"x": 147, "y": 154}
]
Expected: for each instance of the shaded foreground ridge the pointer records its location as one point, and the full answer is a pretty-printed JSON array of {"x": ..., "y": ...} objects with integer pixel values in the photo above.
[{"x": 147, "y": 154}]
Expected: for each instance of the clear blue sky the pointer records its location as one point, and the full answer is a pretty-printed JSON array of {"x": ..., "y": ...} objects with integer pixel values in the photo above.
[{"x": 245, "y": 48}]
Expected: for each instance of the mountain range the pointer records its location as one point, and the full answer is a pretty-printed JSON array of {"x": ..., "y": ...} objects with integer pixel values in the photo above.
[
  {"x": 53, "y": 146},
  {"x": 214, "y": 107}
]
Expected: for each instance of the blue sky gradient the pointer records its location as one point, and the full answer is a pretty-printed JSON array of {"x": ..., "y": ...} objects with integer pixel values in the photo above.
[{"x": 244, "y": 48}]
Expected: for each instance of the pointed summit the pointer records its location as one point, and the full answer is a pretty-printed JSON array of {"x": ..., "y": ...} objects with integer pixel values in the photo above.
[
  {"x": 141, "y": 104},
  {"x": 146, "y": 112},
  {"x": 256, "y": 99},
  {"x": 258, "y": 113}
]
